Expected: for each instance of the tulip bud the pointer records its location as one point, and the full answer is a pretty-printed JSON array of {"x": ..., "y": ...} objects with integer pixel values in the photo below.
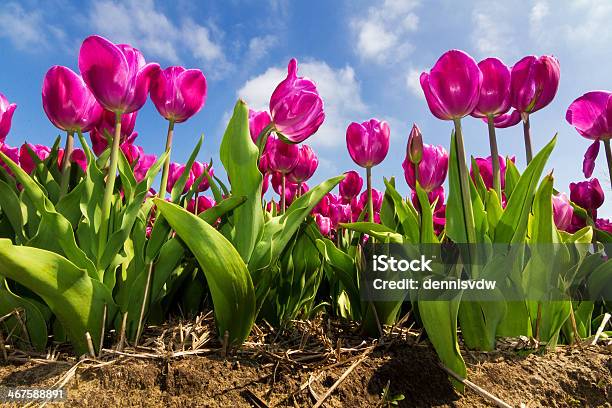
[
  {"x": 414, "y": 149},
  {"x": 257, "y": 123},
  {"x": 197, "y": 170},
  {"x": 6, "y": 116},
  {"x": 432, "y": 168},
  {"x": 25, "y": 159},
  {"x": 306, "y": 166},
  {"x": 588, "y": 195},
  {"x": 282, "y": 157},
  {"x": 296, "y": 107},
  {"x": 178, "y": 93},
  {"x": 351, "y": 186},
  {"x": 324, "y": 224},
  {"x": 368, "y": 142},
  {"x": 175, "y": 172},
  {"x": 562, "y": 211}
]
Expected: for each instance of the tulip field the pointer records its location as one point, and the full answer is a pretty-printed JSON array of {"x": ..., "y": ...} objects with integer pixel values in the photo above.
[{"x": 101, "y": 241}]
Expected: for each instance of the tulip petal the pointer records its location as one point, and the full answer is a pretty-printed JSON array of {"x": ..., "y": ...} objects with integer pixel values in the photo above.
[
  {"x": 588, "y": 114},
  {"x": 588, "y": 165}
]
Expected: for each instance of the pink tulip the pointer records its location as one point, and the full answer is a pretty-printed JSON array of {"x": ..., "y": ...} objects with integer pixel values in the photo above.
[
  {"x": 117, "y": 75},
  {"x": 604, "y": 224},
  {"x": 377, "y": 199},
  {"x": 452, "y": 87},
  {"x": 494, "y": 97},
  {"x": 434, "y": 196},
  {"x": 25, "y": 158},
  {"x": 562, "y": 211},
  {"x": 78, "y": 157},
  {"x": 290, "y": 187},
  {"x": 351, "y": 186},
  {"x": 204, "y": 203},
  {"x": 296, "y": 107},
  {"x": 306, "y": 166},
  {"x": 12, "y": 153},
  {"x": 175, "y": 172},
  {"x": 591, "y": 115},
  {"x": 485, "y": 166},
  {"x": 197, "y": 170},
  {"x": 178, "y": 93},
  {"x": 340, "y": 213},
  {"x": 106, "y": 127},
  {"x": 324, "y": 206},
  {"x": 588, "y": 195},
  {"x": 534, "y": 82},
  {"x": 6, "y": 116},
  {"x": 368, "y": 142},
  {"x": 257, "y": 123},
  {"x": 67, "y": 101},
  {"x": 132, "y": 152},
  {"x": 324, "y": 224},
  {"x": 282, "y": 157},
  {"x": 145, "y": 161},
  {"x": 431, "y": 170}
]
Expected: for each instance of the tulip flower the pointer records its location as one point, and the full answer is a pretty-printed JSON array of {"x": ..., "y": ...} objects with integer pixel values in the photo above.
[
  {"x": 132, "y": 152},
  {"x": 199, "y": 205},
  {"x": 374, "y": 208},
  {"x": 507, "y": 119},
  {"x": 178, "y": 94},
  {"x": 77, "y": 157},
  {"x": 604, "y": 224},
  {"x": 562, "y": 211},
  {"x": 104, "y": 130},
  {"x": 324, "y": 224},
  {"x": 588, "y": 195},
  {"x": 145, "y": 161},
  {"x": 258, "y": 121},
  {"x": 197, "y": 170},
  {"x": 439, "y": 213},
  {"x": 494, "y": 101},
  {"x": 12, "y": 153},
  {"x": 414, "y": 148},
  {"x": 351, "y": 186},
  {"x": 296, "y": 107},
  {"x": 324, "y": 206},
  {"x": 340, "y": 213},
  {"x": 283, "y": 158},
  {"x": 119, "y": 78},
  {"x": 306, "y": 166},
  {"x": 431, "y": 171},
  {"x": 485, "y": 168},
  {"x": 175, "y": 172},
  {"x": 6, "y": 117},
  {"x": 533, "y": 85},
  {"x": 26, "y": 160},
  {"x": 368, "y": 145},
  {"x": 452, "y": 90},
  {"x": 591, "y": 115}
]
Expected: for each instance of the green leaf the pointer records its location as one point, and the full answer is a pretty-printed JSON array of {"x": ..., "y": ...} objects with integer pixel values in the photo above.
[
  {"x": 227, "y": 276},
  {"x": 13, "y": 210},
  {"x": 456, "y": 224},
  {"x": 76, "y": 299},
  {"x": 239, "y": 156},
  {"x": 378, "y": 231},
  {"x": 407, "y": 215},
  {"x": 512, "y": 177},
  {"x": 512, "y": 226}
]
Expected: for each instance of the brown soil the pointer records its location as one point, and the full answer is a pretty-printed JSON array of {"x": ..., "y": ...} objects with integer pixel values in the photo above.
[{"x": 569, "y": 377}]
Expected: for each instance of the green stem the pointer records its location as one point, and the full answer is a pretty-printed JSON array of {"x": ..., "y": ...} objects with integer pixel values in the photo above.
[
  {"x": 299, "y": 190},
  {"x": 66, "y": 163},
  {"x": 608, "y": 157},
  {"x": 370, "y": 201},
  {"x": 494, "y": 157},
  {"x": 283, "y": 204},
  {"x": 465, "y": 185},
  {"x": 527, "y": 135},
  {"x": 110, "y": 184},
  {"x": 164, "y": 180}
]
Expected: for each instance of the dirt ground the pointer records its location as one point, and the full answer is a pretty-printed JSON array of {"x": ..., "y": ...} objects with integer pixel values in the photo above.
[{"x": 569, "y": 377}]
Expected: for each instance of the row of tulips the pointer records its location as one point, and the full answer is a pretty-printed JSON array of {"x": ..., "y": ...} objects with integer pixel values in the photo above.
[{"x": 88, "y": 246}]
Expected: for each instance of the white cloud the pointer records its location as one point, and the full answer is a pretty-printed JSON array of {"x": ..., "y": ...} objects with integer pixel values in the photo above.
[
  {"x": 413, "y": 82},
  {"x": 28, "y": 30},
  {"x": 339, "y": 89},
  {"x": 259, "y": 47},
  {"x": 142, "y": 25},
  {"x": 382, "y": 33},
  {"x": 492, "y": 33}
]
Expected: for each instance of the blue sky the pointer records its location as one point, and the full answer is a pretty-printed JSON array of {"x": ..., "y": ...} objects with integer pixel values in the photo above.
[{"x": 365, "y": 57}]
